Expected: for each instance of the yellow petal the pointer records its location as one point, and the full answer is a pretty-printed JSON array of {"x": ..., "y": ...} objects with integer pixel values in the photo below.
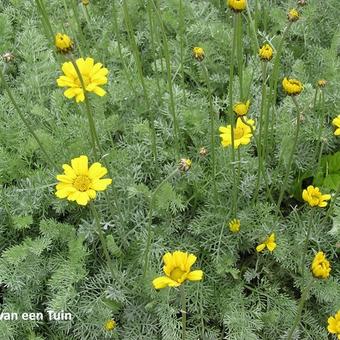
[
  {"x": 190, "y": 261},
  {"x": 163, "y": 281},
  {"x": 99, "y": 91},
  {"x": 65, "y": 192},
  {"x": 69, "y": 70},
  {"x": 100, "y": 184},
  {"x": 83, "y": 198},
  {"x": 80, "y": 165},
  {"x": 91, "y": 193},
  {"x": 271, "y": 246},
  {"x": 260, "y": 247},
  {"x": 195, "y": 275},
  {"x": 64, "y": 179},
  {"x": 69, "y": 171},
  {"x": 97, "y": 171}
]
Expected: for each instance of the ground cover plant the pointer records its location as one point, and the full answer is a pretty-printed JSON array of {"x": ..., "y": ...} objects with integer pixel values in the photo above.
[{"x": 170, "y": 169}]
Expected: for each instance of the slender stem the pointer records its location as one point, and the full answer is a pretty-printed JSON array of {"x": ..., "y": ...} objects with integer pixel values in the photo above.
[
  {"x": 320, "y": 142},
  {"x": 259, "y": 149},
  {"x": 76, "y": 17},
  {"x": 232, "y": 117},
  {"x": 239, "y": 52},
  {"x": 290, "y": 160},
  {"x": 172, "y": 106},
  {"x": 305, "y": 247},
  {"x": 181, "y": 32},
  {"x": 151, "y": 116},
  {"x": 26, "y": 122},
  {"x": 44, "y": 18},
  {"x": 300, "y": 308},
  {"x": 149, "y": 225},
  {"x": 102, "y": 240},
  {"x": 212, "y": 130},
  {"x": 184, "y": 311}
]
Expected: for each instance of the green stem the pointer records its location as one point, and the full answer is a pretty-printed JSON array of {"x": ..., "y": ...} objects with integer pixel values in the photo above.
[
  {"x": 184, "y": 311},
  {"x": 290, "y": 160},
  {"x": 181, "y": 32},
  {"x": 239, "y": 52},
  {"x": 259, "y": 149},
  {"x": 76, "y": 17},
  {"x": 45, "y": 20},
  {"x": 300, "y": 308},
  {"x": 177, "y": 138},
  {"x": 136, "y": 53},
  {"x": 212, "y": 130},
  {"x": 103, "y": 240},
  {"x": 26, "y": 122},
  {"x": 232, "y": 117},
  {"x": 305, "y": 247},
  {"x": 149, "y": 225},
  {"x": 321, "y": 121}
]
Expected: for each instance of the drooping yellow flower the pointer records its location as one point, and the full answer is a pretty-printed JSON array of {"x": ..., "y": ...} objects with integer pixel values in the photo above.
[
  {"x": 234, "y": 225},
  {"x": 269, "y": 243},
  {"x": 237, "y": 5},
  {"x": 320, "y": 266},
  {"x": 292, "y": 87},
  {"x": 242, "y": 133},
  {"x": 266, "y": 52},
  {"x": 334, "y": 324},
  {"x": 293, "y": 15},
  {"x": 177, "y": 268},
  {"x": 92, "y": 74},
  {"x": 314, "y": 197},
  {"x": 241, "y": 109},
  {"x": 336, "y": 123},
  {"x": 79, "y": 182},
  {"x": 198, "y": 53},
  {"x": 322, "y": 83},
  {"x": 110, "y": 325},
  {"x": 63, "y": 43}
]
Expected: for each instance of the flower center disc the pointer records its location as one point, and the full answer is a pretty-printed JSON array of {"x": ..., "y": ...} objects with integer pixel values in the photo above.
[
  {"x": 176, "y": 274},
  {"x": 238, "y": 133},
  {"x": 82, "y": 183}
]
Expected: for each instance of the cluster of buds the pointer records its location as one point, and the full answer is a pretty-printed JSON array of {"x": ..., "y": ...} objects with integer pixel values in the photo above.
[
  {"x": 293, "y": 15},
  {"x": 184, "y": 165}
]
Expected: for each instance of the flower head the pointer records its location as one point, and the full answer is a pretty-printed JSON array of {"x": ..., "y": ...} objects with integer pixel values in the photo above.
[
  {"x": 177, "y": 268},
  {"x": 110, "y": 325},
  {"x": 93, "y": 76},
  {"x": 320, "y": 266},
  {"x": 266, "y": 52},
  {"x": 336, "y": 123},
  {"x": 8, "y": 57},
  {"x": 79, "y": 182},
  {"x": 292, "y": 87},
  {"x": 241, "y": 109},
  {"x": 322, "y": 83},
  {"x": 198, "y": 53},
  {"x": 237, "y": 5},
  {"x": 63, "y": 43},
  {"x": 203, "y": 151},
  {"x": 242, "y": 133},
  {"x": 185, "y": 164},
  {"x": 314, "y": 197},
  {"x": 85, "y": 2},
  {"x": 269, "y": 243},
  {"x": 293, "y": 15},
  {"x": 334, "y": 324},
  {"x": 234, "y": 225}
]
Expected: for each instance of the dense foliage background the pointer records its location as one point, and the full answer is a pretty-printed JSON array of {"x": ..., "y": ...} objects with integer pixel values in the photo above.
[{"x": 51, "y": 257}]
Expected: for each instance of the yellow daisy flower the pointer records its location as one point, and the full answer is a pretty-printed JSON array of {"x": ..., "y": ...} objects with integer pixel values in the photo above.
[
  {"x": 320, "y": 266},
  {"x": 234, "y": 225},
  {"x": 269, "y": 243},
  {"x": 79, "y": 182},
  {"x": 237, "y": 5},
  {"x": 198, "y": 53},
  {"x": 63, "y": 43},
  {"x": 177, "y": 268},
  {"x": 266, "y": 52},
  {"x": 93, "y": 76},
  {"x": 242, "y": 133},
  {"x": 292, "y": 87},
  {"x": 336, "y": 123},
  {"x": 334, "y": 324},
  {"x": 314, "y": 197},
  {"x": 241, "y": 109},
  {"x": 110, "y": 325},
  {"x": 293, "y": 15}
]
